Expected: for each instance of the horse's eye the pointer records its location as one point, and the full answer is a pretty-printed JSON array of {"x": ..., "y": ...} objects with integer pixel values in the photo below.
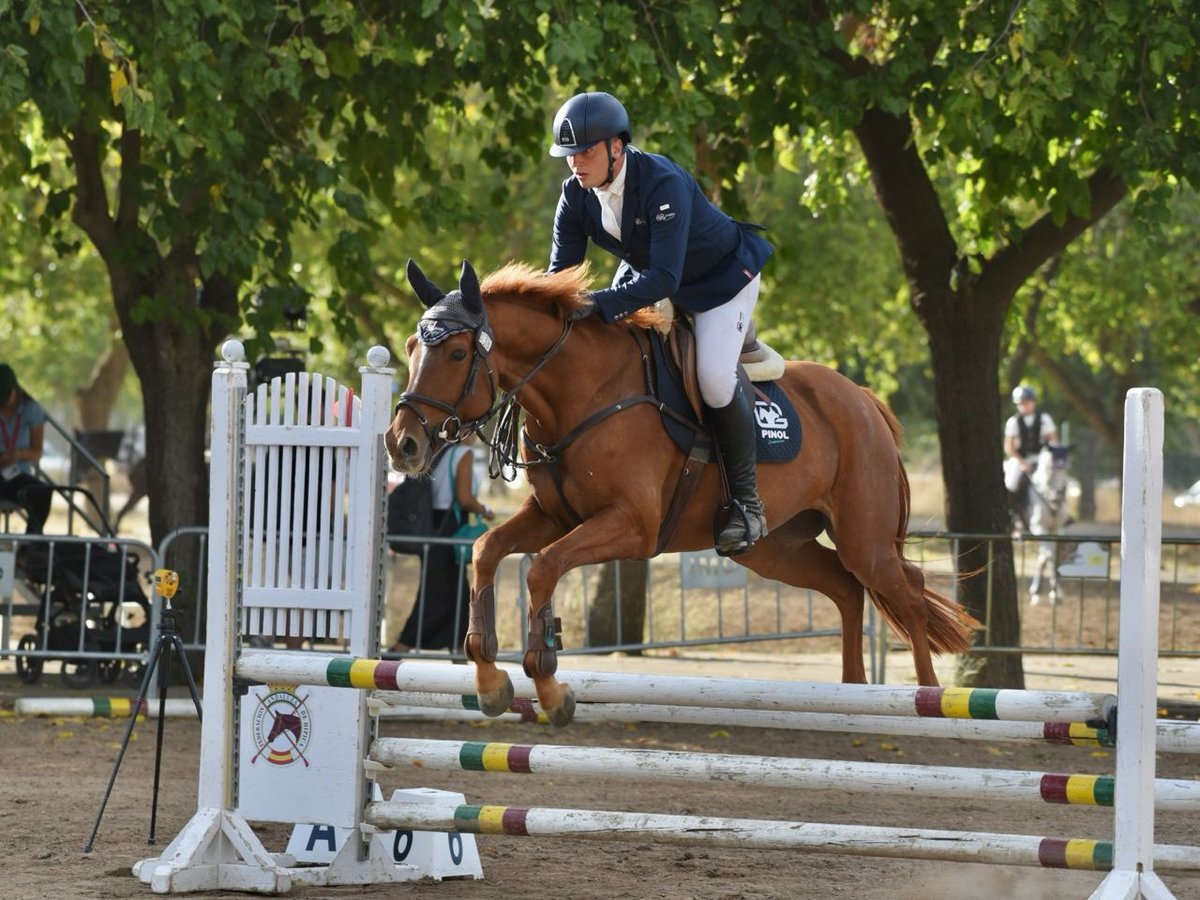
[{"x": 458, "y": 354}]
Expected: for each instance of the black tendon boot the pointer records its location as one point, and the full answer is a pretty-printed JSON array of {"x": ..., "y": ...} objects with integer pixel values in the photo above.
[{"x": 733, "y": 430}]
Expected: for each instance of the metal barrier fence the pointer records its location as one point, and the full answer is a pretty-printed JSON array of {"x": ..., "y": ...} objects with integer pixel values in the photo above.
[
  {"x": 86, "y": 602},
  {"x": 83, "y": 602},
  {"x": 691, "y": 599},
  {"x": 1081, "y": 615}
]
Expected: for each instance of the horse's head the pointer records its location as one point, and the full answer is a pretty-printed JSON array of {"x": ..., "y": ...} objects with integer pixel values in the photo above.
[
  {"x": 451, "y": 386},
  {"x": 1050, "y": 476}
]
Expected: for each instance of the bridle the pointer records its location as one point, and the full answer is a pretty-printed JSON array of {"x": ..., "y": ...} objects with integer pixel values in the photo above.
[{"x": 454, "y": 429}]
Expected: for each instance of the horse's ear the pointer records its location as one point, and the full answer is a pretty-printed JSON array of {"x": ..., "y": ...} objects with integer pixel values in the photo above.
[
  {"x": 427, "y": 292},
  {"x": 468, "y": 284}
]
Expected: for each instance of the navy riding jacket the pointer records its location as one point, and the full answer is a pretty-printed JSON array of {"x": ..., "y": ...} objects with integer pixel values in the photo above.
[{"x": 674, "y": 242}]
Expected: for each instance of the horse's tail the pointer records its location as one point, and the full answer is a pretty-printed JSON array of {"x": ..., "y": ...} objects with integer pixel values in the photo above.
[{"x": 949, "y": 628}]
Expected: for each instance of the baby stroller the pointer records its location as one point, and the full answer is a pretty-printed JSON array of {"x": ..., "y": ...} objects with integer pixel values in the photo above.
[{"x": 85, "y": 590}]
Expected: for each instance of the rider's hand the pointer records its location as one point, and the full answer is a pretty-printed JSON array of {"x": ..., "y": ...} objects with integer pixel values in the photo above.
[{"x": 582, "y": 311}]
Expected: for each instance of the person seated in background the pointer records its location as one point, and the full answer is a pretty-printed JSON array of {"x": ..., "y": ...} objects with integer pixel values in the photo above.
[
  {"x": 440, "y": 614},
  {"x": 22, "y": 428}
]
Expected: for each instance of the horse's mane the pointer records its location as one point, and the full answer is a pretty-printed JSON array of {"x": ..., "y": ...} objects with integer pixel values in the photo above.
[{"x": 565, "y": 289}]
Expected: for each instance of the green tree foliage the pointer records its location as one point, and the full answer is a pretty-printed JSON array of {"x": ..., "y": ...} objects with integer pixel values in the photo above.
[
  {"x": 199, "y": 137},
  {"x": 210, "y": 147},
  {"x": 1119, "y": 310}
]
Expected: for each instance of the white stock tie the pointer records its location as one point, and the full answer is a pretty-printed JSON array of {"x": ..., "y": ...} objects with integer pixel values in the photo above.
[{"x": 608, "y": 215}]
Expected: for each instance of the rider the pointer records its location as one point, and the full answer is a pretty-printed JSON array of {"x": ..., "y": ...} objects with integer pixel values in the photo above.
[
  {"x": 1024, "y": 436},
  {"x": 672, "y": 242}
]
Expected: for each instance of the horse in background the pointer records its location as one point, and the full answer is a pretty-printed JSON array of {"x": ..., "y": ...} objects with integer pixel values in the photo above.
[{"x": 1047, "y": 492}]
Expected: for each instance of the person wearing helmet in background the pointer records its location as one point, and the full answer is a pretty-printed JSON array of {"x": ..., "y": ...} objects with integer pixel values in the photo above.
[
  {"x": 674, "y": 243},
  {"x": 1025, "y": 433}
]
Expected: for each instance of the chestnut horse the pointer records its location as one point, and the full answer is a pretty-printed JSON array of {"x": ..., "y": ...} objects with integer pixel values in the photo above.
[{"x": 603, "y": 471}]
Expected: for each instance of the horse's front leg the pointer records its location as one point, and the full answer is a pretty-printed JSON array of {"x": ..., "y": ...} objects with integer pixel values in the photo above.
[
  {"x": 1045, "y": 556},
  {"x": 611, "y": 534},
  {"x": 527, "y": 531}
]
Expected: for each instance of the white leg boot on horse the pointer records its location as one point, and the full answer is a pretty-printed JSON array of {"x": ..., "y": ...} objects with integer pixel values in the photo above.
[{"x": 733, "y": 430}]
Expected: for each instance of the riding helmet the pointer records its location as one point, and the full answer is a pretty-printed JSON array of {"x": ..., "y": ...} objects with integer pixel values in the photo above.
[
  {"x": 587, "y": 119},
  {"x": 1023, "y": 392}
]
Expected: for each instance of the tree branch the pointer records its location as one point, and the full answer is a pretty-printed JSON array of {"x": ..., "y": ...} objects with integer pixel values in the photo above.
[
  {"x": 91, "y": 200},
  {"x": 128, "y": 206},
  {"x": 1008, "y": 270},
  {"x": 908, "y": 199}
]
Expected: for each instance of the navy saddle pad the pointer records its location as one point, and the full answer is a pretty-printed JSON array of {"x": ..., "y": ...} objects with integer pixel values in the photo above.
[{"x": 777, "y": 426}]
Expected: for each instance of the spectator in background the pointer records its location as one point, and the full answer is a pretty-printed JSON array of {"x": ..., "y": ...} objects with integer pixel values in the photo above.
[
  {"x": 439, "y": 616},
  {"x": 22, "y": 428}
]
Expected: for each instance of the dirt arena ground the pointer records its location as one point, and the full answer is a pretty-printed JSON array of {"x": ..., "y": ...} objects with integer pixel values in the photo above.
[{"x": 55, "y": 772}]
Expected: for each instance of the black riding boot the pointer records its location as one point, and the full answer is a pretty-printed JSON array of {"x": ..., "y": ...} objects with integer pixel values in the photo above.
[{"x": 733, "y": 430}]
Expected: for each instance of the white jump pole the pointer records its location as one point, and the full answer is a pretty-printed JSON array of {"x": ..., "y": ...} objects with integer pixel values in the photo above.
[
  {"x": 1133, "y": 873},
  {"x": 267, "y": 666},
  {"x": 1173, "y": 737},
  {"x": 854, "y": 840},
  {"x": 101, "y": 707},
  {"x": 896, "y": 779}
]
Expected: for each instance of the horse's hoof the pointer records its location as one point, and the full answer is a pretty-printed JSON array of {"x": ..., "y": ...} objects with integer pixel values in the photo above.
[
  {"x": 1035, "y": 599},
  {"x": 493, "y": 703},
  {"x": 562, "y": 715}
]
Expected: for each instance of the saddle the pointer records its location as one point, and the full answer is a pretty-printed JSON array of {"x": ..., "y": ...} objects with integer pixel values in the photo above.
[
  {"x": 673, "y": 353},
  {"x": 759, "y": 361},
  {"x": 677, "y": 386}
]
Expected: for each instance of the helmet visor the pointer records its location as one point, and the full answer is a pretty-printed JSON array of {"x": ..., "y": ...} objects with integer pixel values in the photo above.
[{"x": 563, "y": 150}]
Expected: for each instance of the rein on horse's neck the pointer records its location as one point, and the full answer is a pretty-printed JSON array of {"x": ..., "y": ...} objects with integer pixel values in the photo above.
[
  {"x": 562, "y": 394},
  {"x": 557, "y": 378}
]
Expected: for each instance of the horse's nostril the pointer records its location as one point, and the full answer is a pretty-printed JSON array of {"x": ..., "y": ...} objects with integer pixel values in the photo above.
[{"x": 408, "y": 448}]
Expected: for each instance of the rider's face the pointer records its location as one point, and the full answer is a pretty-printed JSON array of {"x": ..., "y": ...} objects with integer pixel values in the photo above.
[{"x": 590, "y": 166}]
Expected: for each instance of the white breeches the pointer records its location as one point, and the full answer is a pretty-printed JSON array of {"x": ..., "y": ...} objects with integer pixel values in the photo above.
[
  {"x": 719, "y": 336},
  {"x": 1013, "y": 472}
]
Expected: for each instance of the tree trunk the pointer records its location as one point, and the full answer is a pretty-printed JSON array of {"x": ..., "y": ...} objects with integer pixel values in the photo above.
[
  {"x": 93, "y": 406},
  {"x": 602, "y": 614},
  {"x": 95, "y": 400},
  {"x": 1085, "y": 465},
  {"x": 964, "y": 340},
  {"x": 174, "y": 366},
  {"x": 964, "y": 325},
  {"x": 171, "y": 320}
]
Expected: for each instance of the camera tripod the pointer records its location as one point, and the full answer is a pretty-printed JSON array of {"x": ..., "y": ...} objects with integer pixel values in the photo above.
[{"x": 166, "y": 582}]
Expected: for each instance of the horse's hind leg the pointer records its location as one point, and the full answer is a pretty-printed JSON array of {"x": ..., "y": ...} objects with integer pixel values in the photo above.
[
  {"x": 1035, "y": 582},
  {"x": 790, "y": 556},
  {"x": 897, "y": 587}
]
